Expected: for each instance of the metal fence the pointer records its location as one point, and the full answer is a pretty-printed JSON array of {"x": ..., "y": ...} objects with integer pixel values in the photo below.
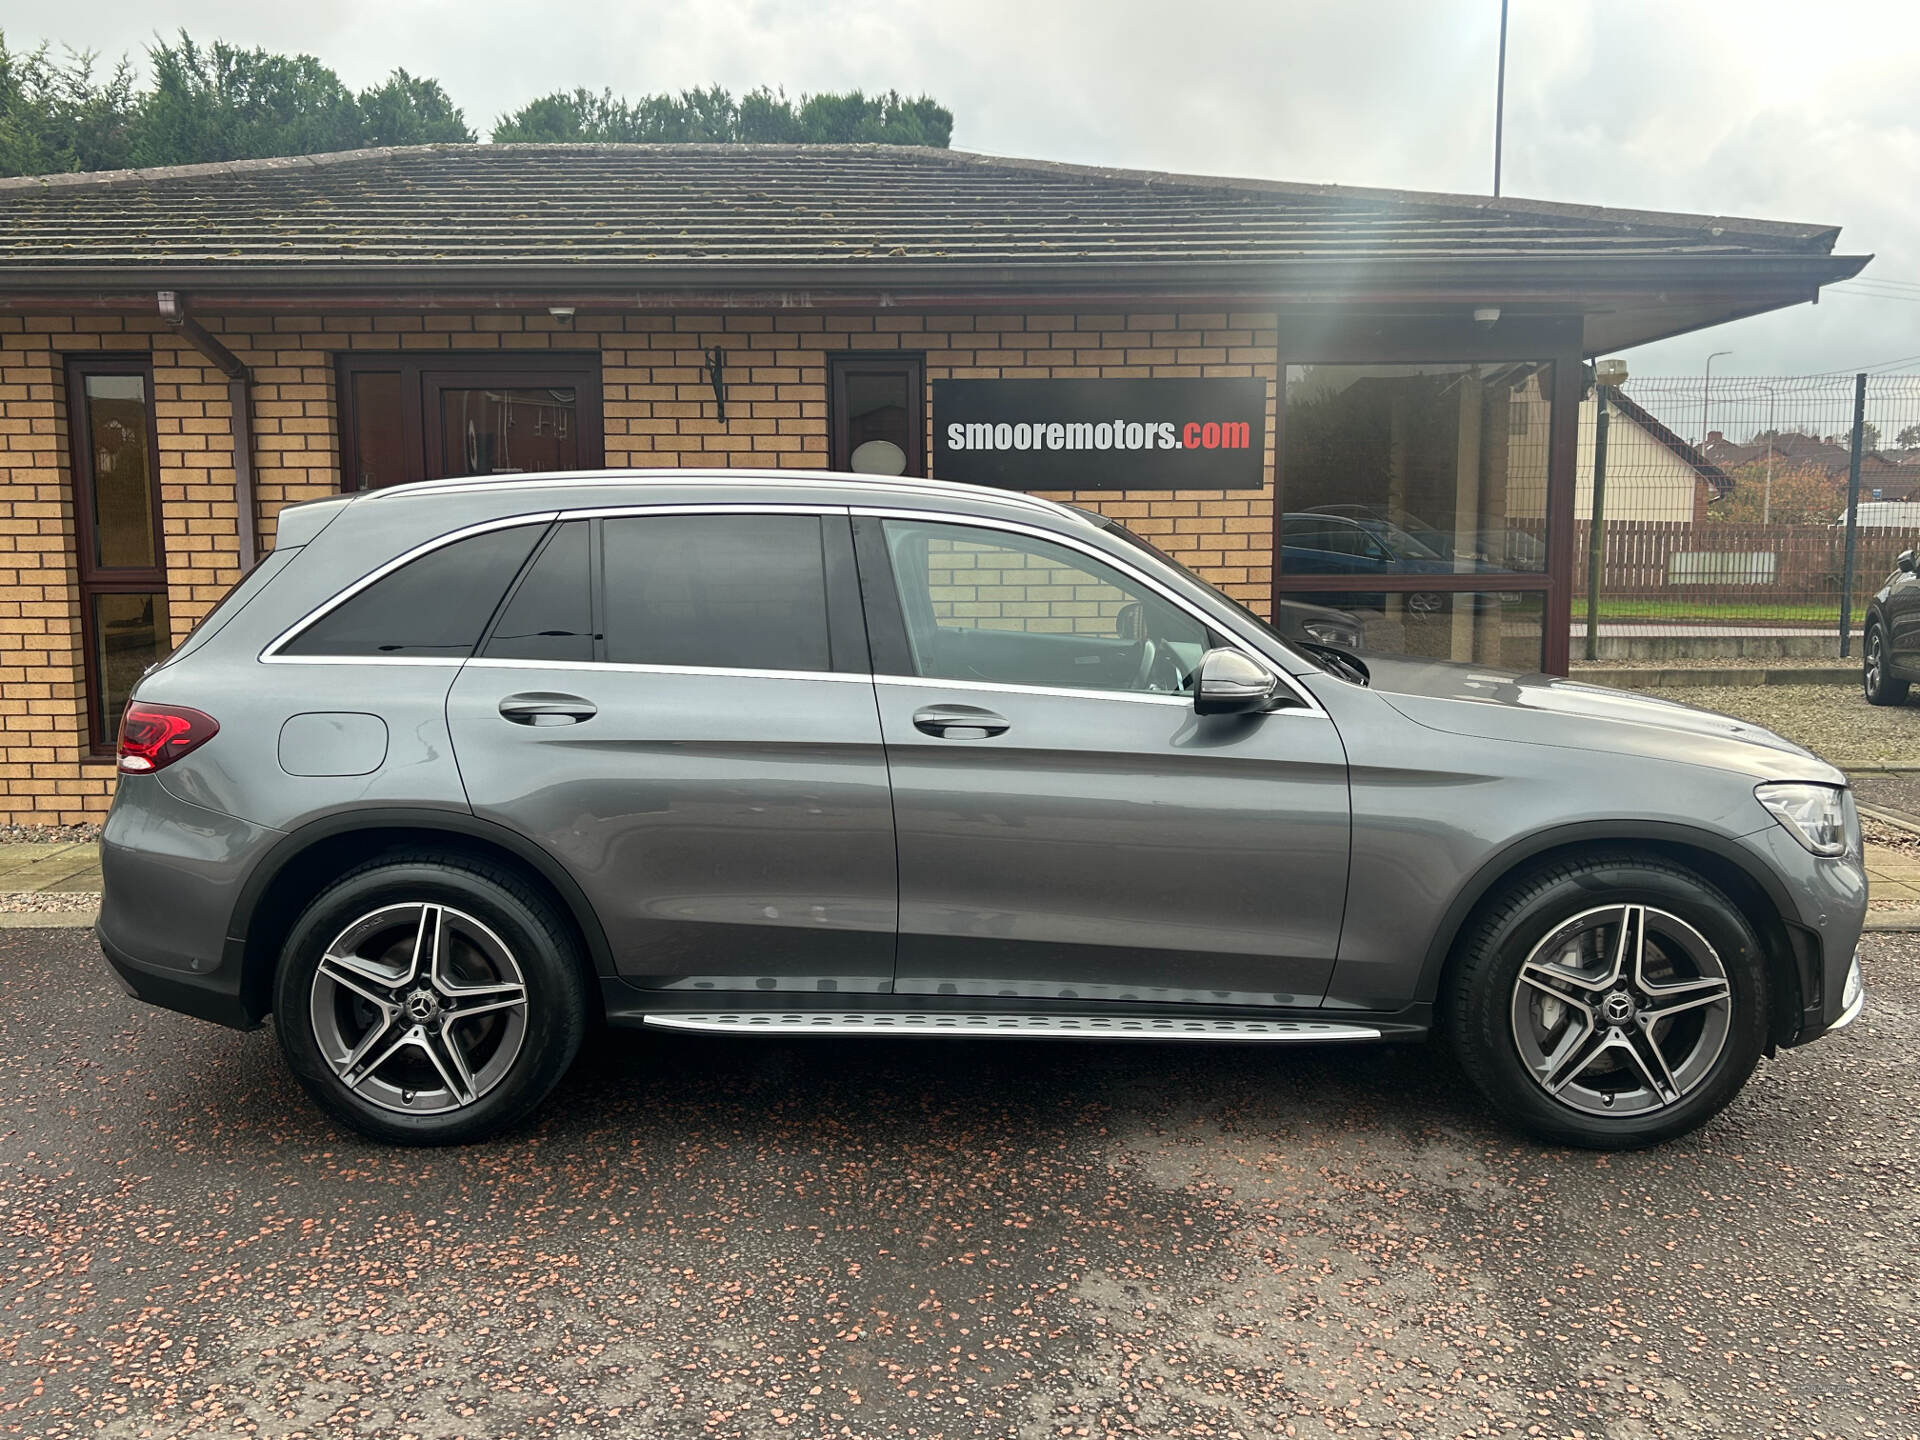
[{"x": 1745, "y": 506}]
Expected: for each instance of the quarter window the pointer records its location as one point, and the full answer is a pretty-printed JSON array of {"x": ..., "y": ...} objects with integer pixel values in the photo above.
[
  {"x": 994, "y": 606},
  {"x": 744, "y": 592},
  {"x": 435, "y": 606},
  {"x": 124, "y": 621}
]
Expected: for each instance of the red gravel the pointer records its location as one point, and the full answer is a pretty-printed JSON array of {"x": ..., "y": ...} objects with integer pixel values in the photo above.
[{"x": 955, "y": 1238}]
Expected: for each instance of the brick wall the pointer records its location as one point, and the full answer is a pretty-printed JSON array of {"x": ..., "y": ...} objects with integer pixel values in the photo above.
[{"x": 658, "y": 411}]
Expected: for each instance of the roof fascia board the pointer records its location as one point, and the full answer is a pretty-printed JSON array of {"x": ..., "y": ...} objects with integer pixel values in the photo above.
[{"x": 1494, "y": 278}]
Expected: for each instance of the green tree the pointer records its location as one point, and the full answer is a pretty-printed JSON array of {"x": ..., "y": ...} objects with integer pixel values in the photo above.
[
  {"x": 223, "y": 103},
  {"x": 1908, "y": 438},
  {"x": 60, "y": 115},
  {"x": 712, "y": 115},
  {"x": 410, "y": 110}
]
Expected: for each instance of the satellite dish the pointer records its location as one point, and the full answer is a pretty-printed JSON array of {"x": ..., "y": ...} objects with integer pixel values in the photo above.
[{"x": 878, "y": 457}]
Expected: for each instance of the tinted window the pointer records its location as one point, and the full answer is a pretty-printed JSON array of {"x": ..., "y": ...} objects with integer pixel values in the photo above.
[
  {"x": 550, "y": 615},
  {"x": 745, "y": 592},
  {"x": 436, "y": 605},
  {"x": 991, "y": 605}
]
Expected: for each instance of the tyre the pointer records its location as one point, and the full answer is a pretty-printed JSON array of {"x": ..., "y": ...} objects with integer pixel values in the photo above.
[
  {"x": 429, "y": 1000},
  {"x": 1876, "y": 679},
  {"x": 1610, "y": 1002}
]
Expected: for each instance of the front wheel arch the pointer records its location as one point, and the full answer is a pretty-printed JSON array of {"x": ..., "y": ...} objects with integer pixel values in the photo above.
[{"x": 1757, "y": 893}]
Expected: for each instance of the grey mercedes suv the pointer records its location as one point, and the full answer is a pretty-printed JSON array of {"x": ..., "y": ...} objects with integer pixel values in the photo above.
[{"x": 466, "y": 767}]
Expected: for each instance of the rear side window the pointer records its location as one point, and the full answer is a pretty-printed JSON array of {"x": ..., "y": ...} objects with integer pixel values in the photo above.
[
  {"x": 745, "y": 592},
  {"x": 434, "y": 606},
  {"x": 549, "y": 616}
]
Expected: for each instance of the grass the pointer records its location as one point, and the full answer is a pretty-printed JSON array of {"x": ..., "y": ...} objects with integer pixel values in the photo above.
[{"x": 1721, "y": 612}]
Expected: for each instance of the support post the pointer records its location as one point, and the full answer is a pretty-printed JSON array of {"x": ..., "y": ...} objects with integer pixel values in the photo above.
[
  {"x": 1597, "y": 528},
  {"x": 1853, "y": 514}
]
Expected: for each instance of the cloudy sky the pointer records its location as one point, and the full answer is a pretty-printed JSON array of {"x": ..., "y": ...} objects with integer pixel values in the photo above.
[{"x": 1744, "y": 107}]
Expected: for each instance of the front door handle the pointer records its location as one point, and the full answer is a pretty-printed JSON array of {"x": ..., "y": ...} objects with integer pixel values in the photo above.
[
  {"x": 544, "y": 708},
  {"x": 958, "y": 722}
]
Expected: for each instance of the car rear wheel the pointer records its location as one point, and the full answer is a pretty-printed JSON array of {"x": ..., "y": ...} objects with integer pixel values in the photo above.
[
  {"x": 429, "y": 1000},
  {"x": 1879, "y": 683},
  {"x": 1610, "y": 1002}
]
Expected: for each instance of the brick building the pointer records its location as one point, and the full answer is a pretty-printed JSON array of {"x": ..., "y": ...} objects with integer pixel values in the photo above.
[{"x": 184, "y": 352}]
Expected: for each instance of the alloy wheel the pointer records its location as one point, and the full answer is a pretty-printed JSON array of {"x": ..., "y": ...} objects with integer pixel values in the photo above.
[
  {"x": 419, "y": 1008},
  {"x": 1874, "y": 662},
  {"x": 1621, "y": 1010}
]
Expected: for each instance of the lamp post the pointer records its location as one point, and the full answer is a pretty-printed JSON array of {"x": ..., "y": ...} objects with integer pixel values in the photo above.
[{"x": 1706, "y": 390}]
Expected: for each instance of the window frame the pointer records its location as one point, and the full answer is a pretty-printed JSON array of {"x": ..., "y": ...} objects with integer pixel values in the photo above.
[
  {"x": 843, "y": 363},
  {"x": 425, "y": 374},
  {"x": 95, "y": 579}
]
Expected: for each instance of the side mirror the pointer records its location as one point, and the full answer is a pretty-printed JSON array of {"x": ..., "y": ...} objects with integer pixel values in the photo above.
[
  {"x": 1229, "y": 683},
  {"x": 1905, "y": 561}
]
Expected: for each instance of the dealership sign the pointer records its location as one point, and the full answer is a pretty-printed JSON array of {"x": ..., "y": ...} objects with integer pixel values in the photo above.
[{"x": 1101, "y": 434}]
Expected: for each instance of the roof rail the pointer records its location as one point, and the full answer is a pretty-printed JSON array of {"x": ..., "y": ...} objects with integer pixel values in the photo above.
[{"x": 816, "y": 479}]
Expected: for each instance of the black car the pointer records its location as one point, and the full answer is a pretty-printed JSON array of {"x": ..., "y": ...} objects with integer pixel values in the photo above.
[{"x": 1890, "y": 653}]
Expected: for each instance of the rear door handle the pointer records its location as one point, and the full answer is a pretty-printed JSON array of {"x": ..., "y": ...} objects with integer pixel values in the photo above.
[
  {"x": 544, "y": 708},
  {"x": 958, "y": 722}
]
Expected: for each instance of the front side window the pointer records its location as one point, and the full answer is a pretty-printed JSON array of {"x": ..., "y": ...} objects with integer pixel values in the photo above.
[
  {"x": 124, "y": 621},
  {"x": 431, "y": 608},
  {"x": 743, "y": 592},
  {"x": 1003, "y": 608}
]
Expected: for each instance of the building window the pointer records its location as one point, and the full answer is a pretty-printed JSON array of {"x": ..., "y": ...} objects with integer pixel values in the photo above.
[
  {"x": 877, "y": 413},
  {"x": 1404, "y": 488},
  {"x": 124, "y": 623},
  {"x": 408, "y": 417}
]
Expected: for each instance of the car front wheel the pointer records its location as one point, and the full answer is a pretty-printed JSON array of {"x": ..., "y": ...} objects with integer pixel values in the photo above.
[
  {"x": 1610, "y": 1002},
  {"x": 429, "y": 1000},
  {"x": 1876, "y": 679}
]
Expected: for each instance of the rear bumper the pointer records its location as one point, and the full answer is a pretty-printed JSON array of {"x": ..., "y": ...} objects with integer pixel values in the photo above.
[
  {"x": 171, "y": 872},
  {"x": 213, "y": 994}
]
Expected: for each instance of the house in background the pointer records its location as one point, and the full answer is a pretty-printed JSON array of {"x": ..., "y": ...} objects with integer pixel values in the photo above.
[
  {"x": 1653, "y": 476},
  {"x": 1884, "y": 474}
]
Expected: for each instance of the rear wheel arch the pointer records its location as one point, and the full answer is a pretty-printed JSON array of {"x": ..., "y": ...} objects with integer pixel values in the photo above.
[
  {"x": 1759, "y": 896},
  {"x": 308, "y": 859}
]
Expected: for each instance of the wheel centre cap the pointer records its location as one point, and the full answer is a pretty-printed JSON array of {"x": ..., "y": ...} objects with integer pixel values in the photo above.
[
  {"x": 1618, "y": 1008},
  {"x": 422, "y": 1006}
]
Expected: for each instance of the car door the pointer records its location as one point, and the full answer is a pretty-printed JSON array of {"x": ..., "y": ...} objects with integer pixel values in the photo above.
[
  {"x": 1067, "y": 827},
  {"x": 1902, "y": 609},
  {"x": 679, "y": 707}
]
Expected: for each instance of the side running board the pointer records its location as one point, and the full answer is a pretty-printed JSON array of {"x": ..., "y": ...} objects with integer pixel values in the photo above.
[{"x": 1039, "y": 1027}]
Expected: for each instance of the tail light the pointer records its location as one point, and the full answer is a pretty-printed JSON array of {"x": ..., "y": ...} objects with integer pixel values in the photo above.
[{"x": 152, "y": 737}]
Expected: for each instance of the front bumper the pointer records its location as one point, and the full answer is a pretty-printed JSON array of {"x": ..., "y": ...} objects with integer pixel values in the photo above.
[{"x": 1824, "y": 905}]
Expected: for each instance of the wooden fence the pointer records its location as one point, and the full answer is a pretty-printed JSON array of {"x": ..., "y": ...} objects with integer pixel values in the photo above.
[{"x": 1676, "y": 562}]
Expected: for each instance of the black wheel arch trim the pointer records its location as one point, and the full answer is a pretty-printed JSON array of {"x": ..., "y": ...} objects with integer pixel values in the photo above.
[
  {"x": 1518, "y": 853},
  {"x": 298, "y": 842}
]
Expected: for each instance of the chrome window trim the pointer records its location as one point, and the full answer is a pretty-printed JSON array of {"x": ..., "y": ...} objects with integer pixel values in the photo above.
[
  {"x": 271, "y": 654},
  {"x": 500, "y": 663},
  {"x": 994, "y": 687},
  {"x": 1227, "y": 625}
]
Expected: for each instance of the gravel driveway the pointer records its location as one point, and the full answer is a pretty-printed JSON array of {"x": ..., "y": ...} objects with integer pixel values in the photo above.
[{"x": 871, "y": 1238}]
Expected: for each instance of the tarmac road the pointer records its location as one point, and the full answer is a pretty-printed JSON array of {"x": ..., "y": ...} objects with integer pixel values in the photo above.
[{"x": 817, "y": 1237}]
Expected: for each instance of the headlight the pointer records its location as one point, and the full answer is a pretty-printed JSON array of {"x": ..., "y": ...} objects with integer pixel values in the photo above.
[
  {"x": 1328, "y": 632},
  {"x": 1816, "y": 815}
]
